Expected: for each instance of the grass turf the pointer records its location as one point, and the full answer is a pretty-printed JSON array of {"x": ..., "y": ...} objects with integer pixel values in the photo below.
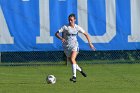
[{"x": 102, "y": 78}]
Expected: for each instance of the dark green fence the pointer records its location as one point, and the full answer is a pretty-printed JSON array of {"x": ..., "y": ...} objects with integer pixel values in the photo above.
[{"x": 58, "y": 57}]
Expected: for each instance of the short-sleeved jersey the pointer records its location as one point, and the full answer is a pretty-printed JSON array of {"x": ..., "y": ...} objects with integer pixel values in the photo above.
[{"x": 70, "y": 35}]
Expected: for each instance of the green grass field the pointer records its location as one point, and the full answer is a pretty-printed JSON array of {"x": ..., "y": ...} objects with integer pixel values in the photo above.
[{"x": 102, "y": 78}]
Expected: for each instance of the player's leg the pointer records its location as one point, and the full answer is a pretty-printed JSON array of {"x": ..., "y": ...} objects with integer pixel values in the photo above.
[
  {"x": 74, "y": 65},
  {"x": 74, "y": 54},
  {"x": 81, "y": 70}
]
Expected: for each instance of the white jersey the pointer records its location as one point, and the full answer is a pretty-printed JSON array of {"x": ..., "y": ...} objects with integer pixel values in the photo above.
[{"x": 70, "y": 35}]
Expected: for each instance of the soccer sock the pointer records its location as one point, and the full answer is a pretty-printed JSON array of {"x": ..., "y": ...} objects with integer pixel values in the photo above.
[
  {"x": 74, "y": 69},
  {"x": 78, "y": 68}
]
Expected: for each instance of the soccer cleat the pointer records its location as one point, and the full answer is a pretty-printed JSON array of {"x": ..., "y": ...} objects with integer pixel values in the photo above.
[
  {"x": 73, "y": 79},
  {"x": 84, "y": 74}
]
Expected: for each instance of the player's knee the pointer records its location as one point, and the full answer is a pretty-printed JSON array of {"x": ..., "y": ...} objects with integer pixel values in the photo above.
[{"x": 73, "y": 61}]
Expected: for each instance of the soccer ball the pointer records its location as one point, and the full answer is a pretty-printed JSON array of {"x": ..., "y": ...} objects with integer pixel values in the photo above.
[{"x": 51, "y": 79}]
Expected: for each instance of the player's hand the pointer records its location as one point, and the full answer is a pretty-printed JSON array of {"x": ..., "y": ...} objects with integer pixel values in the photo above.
[
  {"x": 63, "y": 40},
  {"x": 92, "y": 47}
]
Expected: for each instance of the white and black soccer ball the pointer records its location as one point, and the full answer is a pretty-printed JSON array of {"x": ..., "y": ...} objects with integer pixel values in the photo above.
[{"x": 51, "y": 79}]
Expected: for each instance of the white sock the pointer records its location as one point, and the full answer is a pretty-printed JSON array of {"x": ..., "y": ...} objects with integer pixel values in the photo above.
[
  {"x": 74, "y": 69},
  {"x": 78, "y": 68}
]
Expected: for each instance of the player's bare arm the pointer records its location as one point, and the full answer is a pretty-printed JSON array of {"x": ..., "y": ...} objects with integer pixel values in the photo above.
[
  {"x": 89, "y": 41},
  {"x": 59, "y": 37}
]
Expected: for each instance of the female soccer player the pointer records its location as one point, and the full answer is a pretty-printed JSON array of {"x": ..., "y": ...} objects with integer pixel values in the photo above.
[{"x": 70, "y": 43}]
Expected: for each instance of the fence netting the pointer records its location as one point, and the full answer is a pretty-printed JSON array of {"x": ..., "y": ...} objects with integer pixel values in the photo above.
[{"x": 58, "y": 57}]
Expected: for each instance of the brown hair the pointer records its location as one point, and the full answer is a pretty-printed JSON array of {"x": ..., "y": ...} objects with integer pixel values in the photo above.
[{"x": 72, "y": 15}]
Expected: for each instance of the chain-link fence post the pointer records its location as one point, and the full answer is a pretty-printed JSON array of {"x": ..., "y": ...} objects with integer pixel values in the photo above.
[
  {"x": 0, "y": 57},
  {"x": 67, "y": 61}
]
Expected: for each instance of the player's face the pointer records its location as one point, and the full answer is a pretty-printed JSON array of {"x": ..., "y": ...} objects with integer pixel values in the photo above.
[{"x": 72, "y": 20}]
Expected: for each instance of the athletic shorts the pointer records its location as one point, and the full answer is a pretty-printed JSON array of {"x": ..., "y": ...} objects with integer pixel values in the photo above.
[{"x": 68, "y": 51}]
